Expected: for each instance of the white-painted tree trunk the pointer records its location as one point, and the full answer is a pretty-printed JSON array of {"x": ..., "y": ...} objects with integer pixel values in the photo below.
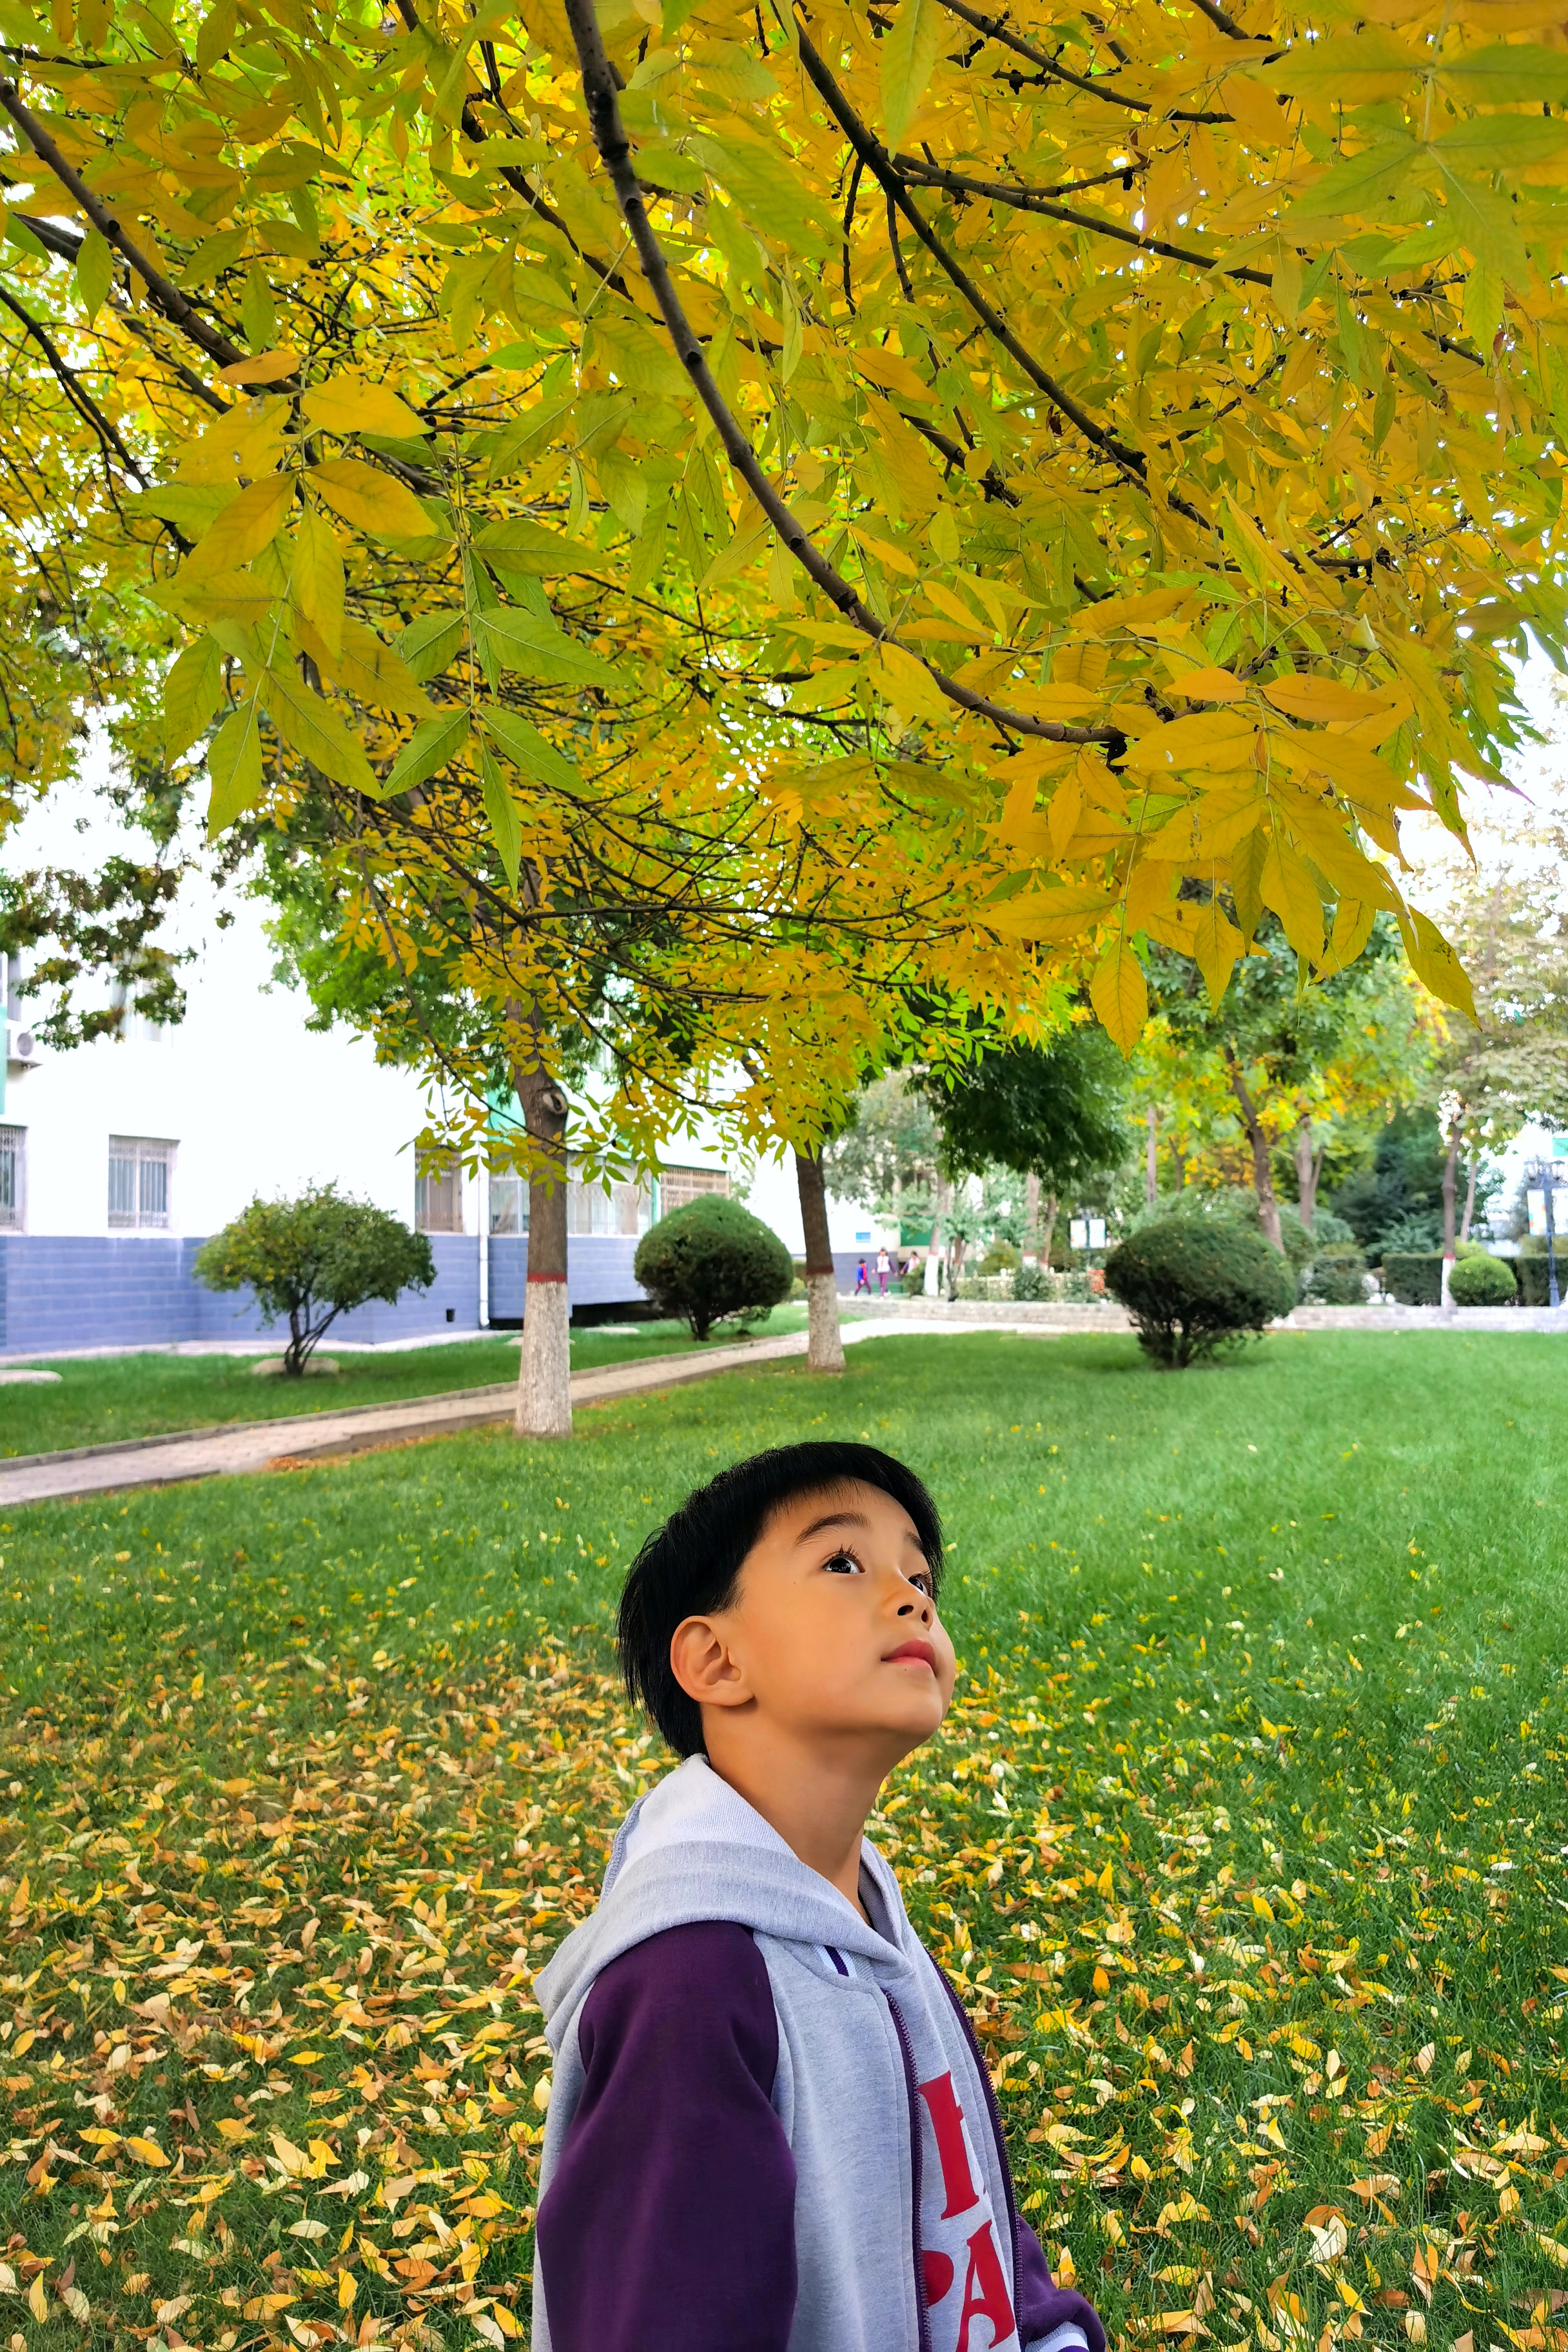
[{"x": 544, "y": 1374}]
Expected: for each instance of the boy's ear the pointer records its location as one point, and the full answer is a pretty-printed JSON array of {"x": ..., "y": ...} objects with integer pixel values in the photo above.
[{"x": 701, "y": 1660}]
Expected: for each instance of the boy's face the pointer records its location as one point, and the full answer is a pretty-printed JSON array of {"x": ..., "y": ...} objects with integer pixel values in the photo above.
[{"x": 834, "y": 1632}]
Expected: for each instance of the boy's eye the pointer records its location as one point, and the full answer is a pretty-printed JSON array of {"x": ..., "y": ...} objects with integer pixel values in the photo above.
[
  {"x": 922, "y": 1584},
  {"x": 843, "y": 1564}
]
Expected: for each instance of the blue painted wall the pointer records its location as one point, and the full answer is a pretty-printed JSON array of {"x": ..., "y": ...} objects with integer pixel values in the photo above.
[{"x": 139, "y": 1290}]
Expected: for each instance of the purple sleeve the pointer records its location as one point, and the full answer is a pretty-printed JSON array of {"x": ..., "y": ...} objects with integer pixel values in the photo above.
[
  {"x": 1042, "y": 2306},
  {"x": 668, "y": 2224}
]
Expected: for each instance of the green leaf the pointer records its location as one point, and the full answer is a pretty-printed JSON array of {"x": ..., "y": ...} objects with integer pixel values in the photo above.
[
  {"x": 192, "y": 508},
  {"x": 664, "y": 166},
  {"x": 1357, "y": 181},
  {"x": 429, "y": 643},
  {"x": 1492, "y": 142},
  {"x": 94, "y": 272},
  {"x": 317, "y": 578},
  {"x": 216, "y": 32},
  {"x": 234, "y": 765},
  {"x": 213, "y": 256},
  {"x": 909, "y": 56},
  {"x": 541, "y": 650},
  {"x": 316, "y": 731},
  {"x": 428, "y": 749},
  {"x": 1519, "y": 73},
  {"x": 501, "y": 811},
  {"x": 246, "y": 526},
  {"x": 1351, "y": 68},
  {"x": 522, "y": 545},
  {"x": 529, "y": 750},
  {"x": 192, "y": 692}
]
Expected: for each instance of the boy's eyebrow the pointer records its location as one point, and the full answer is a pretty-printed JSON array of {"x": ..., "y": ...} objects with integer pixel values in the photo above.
[{"x": 849, "y": 1519}]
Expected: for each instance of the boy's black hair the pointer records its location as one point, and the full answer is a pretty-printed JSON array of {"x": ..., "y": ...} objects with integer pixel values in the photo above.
[{"x": 690, "y": 1566}]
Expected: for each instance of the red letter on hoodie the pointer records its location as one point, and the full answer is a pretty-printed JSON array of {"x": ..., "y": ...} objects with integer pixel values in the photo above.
[
  {"x": 986, "y": 2292},
  {"x": 947, "y": 2122}
]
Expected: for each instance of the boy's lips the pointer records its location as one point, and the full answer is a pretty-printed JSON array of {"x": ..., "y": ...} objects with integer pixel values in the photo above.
[{"x": 920, "y": 1650}]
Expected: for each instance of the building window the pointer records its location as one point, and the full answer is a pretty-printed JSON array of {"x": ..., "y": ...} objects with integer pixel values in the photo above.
[
  {"x": 624, "y": 1208},
  {"x": 509, "y": 1205},
  {"x": 140, "y": 1168},
  {"x": 677, "y": 1186},
  {"x": 438, "y": 1197},
  {"x": 13, "y": 1178}
]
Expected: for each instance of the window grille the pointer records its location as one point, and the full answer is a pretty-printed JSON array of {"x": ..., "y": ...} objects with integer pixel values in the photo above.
[
  {"x": 139, "y": 1169},
  {"x": 677, "y": 1186},
  {"x": 509, "y": 1205},
  {"x": 13, "y": 1178},
  {"x": 438, "y": 1198}
]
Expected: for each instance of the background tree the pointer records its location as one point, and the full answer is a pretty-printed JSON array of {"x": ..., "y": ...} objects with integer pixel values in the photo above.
[
  {"x": 886, "y": 1159},
  {"x": 311, "y": 1259},
  {"x": 1055, "y": 1113}
]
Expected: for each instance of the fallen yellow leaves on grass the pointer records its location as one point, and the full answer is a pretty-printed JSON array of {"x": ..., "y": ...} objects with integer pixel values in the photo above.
[{"x": 276, "y": 2077}]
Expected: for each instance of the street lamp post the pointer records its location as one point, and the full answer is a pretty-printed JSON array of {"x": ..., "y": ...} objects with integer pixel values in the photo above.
[{"x": 1543, "y": 1172}]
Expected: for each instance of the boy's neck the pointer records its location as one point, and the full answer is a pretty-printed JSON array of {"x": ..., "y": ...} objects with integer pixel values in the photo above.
[{"x": 818, "y": 1801}]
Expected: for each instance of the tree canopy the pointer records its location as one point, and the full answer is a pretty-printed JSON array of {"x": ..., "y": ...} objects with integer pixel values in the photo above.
[{"x": 675, "y": 507}]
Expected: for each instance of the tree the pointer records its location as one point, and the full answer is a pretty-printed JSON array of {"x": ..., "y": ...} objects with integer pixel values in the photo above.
[
  {"x": 1175, "y": 558},
  {"x": 1295, "y": 1060},
  {"x": 1509, "y": 1065},
  {"x": 313, "y": 1259},
  {"x": 1055, "y": 1113},
  {"x": 713, "y": 1262},
  {"x": 886, "y": 1159}
]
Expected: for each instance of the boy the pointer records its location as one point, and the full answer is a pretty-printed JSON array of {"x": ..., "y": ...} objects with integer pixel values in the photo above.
[{"x": 771, "y": 2127}]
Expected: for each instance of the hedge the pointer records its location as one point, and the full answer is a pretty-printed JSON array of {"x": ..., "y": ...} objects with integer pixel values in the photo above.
[{"x": 1415, "y": 1276}]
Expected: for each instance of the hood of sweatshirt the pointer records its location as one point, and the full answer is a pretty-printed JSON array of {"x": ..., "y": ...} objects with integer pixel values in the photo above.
[{"x": 693, "y": 1849}]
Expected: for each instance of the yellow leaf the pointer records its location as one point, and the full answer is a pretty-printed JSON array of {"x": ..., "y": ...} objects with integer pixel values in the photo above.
[
  {"x": 907, "y": 55},
  {"x": 293, "y": 2159},
  {"x": 908, "y": 683},
  {"x": 247, "y": 525},
  {"x": 346, "y": 2291},
  {"x": 1119, "y": 996},
  {"x": 38, "y": 2303},
  {"x": 348, "y": 404},
  {"x": 1434, "y": 964},
  {"x": 371, "y": 499},
  {"x": 233, "y": 767},
  {"x": 1215, "y": 947},
  {"x": 1208, "y": 740},
  {"x": 317, "y": 581},
  {"x": 267, "y": 367},
  {"x": 1263, "y": 1908},
  {"x": 1105, "y": 1883},
  {"x": 231, "y": 2129},
  {"x": 1352, "y": 69},
  {"x": 1053, "y": 915},
  {"x": 23, "y": 2044},
  {"x": 146, "y": 2151},
  {"x": 1323, "y": 699},
  {"x": 1209, "y": 686},
  {"x": 1352, "y": 927},
  {"x": 1288, "y": 887},
  {"x": 315, "y": 730}
]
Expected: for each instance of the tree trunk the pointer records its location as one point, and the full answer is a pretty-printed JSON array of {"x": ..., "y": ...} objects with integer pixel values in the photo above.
[
  {"x": 1032, "y": 1215},
  {"x": 1470, "y": 1197},
  {"x": 1308, "y": 1169},
  {"x": 1052, "y": 1205},
  {"x": 1151, "y": 1160},
  {"x": 823, "y": 1347},
  {"x": 544, "y": 1373},
  {"x": 1450, "y": 1172},
  {"x": 1262, "y": 1173}
]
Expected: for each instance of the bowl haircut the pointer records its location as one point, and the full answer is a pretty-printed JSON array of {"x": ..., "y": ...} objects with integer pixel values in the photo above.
[{"x": 691, "y": 1566}]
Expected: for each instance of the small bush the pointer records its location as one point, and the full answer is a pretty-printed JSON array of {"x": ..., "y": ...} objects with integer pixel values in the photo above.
[
  {"x": 1479, "y": 1280},
  {"x": 1000, "y": 1258},
  {"x": 1413, "y": 1276},
  {"x": 713, "y": 1262},
  {"x": 1329, "y": 1230},
  {"x": 314, "y": 1259},
  {"x": 1195, "y": 1286},
  {"x": 1029, "y": 1282},
  {"x": 1413, "y": 1236},
  {"x": 1337, "y": 1276},
  {"x": 912, "y": 1281}
]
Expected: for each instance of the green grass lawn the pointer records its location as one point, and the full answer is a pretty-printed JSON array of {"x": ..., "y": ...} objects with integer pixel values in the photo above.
[
  {"x": 100, "y": 1399},
  {"x": 1246, "y": 1842}
]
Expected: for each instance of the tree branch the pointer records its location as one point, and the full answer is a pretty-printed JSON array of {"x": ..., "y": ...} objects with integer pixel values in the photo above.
[
  {"x": 1028, "y": 200},
  {"x": 609, "y": 135},
  {"x": 995, "y": 30},
  {"x": 80, "y": 400},
  {"x": 163, "y": 291}
]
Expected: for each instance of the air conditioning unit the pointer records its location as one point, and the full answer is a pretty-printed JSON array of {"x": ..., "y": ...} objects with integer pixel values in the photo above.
[{"x": 22, "y": 1047}]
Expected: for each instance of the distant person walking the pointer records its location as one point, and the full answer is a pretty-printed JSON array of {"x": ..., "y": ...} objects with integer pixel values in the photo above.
[
  {"x": 884, "y": 1269},
  {"x": 861, "y": 1283}
]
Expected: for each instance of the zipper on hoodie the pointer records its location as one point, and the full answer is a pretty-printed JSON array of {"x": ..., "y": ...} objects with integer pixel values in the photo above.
[
  {"x": 911, "y": 2092},
  {"x": 998, "y": 2133}
]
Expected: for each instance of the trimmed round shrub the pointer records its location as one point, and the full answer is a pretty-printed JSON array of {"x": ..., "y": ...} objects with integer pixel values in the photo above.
[
  {"x": 1480, "y": 1280},
  {"x": 1337, "y": 1276},
  {"x": 713, "y": 1262},
  {"x": 1195, "y": 1286},
  {"x": 313, "y": 1259}
]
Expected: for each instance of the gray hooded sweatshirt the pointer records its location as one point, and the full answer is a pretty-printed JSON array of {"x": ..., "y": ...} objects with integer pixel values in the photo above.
[{"x": 771, "y": 2128}]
